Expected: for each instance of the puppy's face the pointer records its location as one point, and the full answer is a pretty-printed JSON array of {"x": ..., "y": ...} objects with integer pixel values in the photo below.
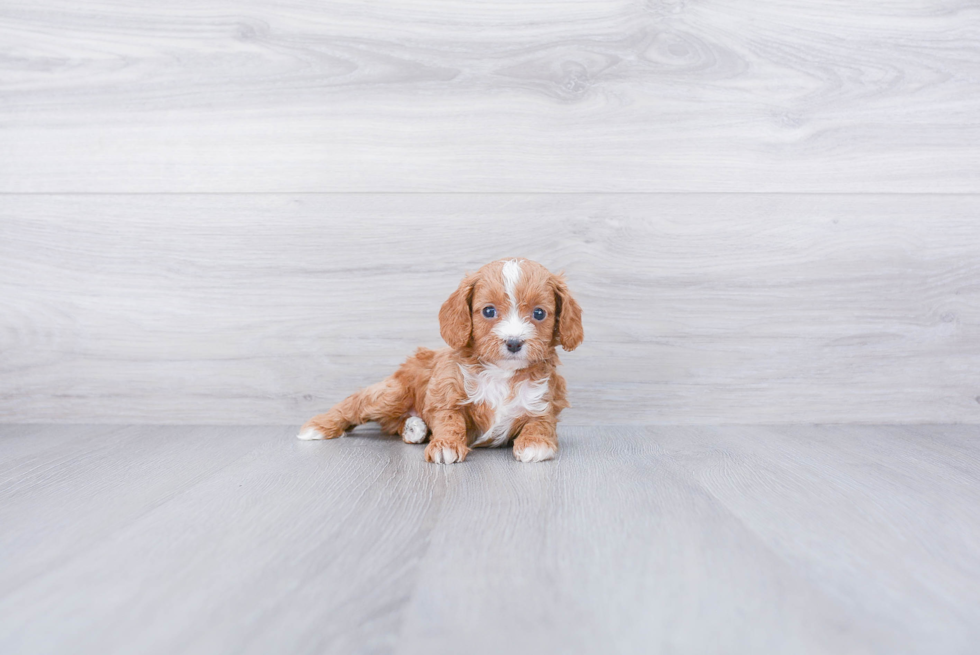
[{"x": 512, "y": 313}]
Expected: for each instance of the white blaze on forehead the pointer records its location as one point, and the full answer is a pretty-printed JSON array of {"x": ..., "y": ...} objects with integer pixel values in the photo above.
[
  {"x": 513, "y": 326},
  {"x": 512, "y": 275}
]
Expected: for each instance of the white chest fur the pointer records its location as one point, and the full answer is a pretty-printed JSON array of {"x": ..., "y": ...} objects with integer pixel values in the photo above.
[{"x": 494, "y": 386}]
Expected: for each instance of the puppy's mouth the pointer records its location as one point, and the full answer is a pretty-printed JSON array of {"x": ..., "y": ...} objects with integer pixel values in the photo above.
[{"x": 514, "y": 360}]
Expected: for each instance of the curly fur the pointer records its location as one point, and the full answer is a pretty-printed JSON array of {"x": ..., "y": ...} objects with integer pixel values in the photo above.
[{"x": 477, "y": 392}]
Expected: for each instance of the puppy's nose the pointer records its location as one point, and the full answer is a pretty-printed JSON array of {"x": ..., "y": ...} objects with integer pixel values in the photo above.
[{"x": 514, "y": 345}]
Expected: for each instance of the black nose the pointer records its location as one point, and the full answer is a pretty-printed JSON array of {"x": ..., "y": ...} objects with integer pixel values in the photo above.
[{"x": 514, "y": 345}]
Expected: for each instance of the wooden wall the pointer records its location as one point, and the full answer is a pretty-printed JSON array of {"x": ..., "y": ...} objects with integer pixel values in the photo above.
[{"x": 238, "y": 212}]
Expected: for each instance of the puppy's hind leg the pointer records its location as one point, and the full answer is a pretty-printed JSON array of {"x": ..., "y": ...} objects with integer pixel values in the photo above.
[
  {"x": 383, "y": 401},
  {"x": 415, "y": 430}
]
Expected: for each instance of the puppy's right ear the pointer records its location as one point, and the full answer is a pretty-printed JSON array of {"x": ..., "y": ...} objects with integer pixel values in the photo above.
[{"x": 456, "y": 315}]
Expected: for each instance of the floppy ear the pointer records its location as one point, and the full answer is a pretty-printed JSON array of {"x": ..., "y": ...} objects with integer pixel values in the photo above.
[
  {"x": 568, "y": 327},
  {"x": 456, "y": 314}
]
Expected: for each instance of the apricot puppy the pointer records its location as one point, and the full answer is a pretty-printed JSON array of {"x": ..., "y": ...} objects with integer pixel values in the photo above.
[{"x": 497, "y": 381}]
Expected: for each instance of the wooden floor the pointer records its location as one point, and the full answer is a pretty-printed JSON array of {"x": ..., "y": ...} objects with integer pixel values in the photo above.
[{"x": 636, "y": 540}]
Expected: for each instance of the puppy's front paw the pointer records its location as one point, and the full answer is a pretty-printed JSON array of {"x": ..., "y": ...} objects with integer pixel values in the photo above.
[
  {"x": 445, "y": 452},
  {"x": 415, "y": 430},
  {"x": 534, "y": 451}
]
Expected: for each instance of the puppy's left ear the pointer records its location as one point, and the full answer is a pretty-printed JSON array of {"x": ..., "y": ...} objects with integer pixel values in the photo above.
[
  {"x": 456, "y": 314},
  {"x": 568, "y": 325}
]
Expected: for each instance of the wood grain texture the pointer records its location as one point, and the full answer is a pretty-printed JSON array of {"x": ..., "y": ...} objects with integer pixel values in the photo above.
[
  {"x": 504, "y": 95},
  {"x": 697, "y": 309},
  {"x": 740, "y": 539},
  {"x": 124, "y": 472},
  {"x": 829, "y": 488}
]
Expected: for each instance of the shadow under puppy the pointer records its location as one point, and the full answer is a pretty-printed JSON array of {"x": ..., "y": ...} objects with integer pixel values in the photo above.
[{"x": 498, "y": 380}]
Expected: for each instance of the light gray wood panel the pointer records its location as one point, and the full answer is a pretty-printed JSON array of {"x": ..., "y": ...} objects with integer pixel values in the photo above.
[
  {"x": 23, "y": 444},
  {"x": 503, "y": 95},
  {"x": 635, "y": 540},
  {"x": 910, "y": 496},
  {"x": 611, "y": 549},
  {"x": 95, "y": 483},
  {"x": 292, "y": 548},
  {"x": 708, "y": 308}
]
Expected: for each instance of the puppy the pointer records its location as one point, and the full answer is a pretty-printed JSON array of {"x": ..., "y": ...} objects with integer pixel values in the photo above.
[{"x": 498, "y": 380}]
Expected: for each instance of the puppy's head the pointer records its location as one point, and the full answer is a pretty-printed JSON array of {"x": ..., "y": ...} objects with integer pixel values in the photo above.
[{"x": 512, "y": 313}]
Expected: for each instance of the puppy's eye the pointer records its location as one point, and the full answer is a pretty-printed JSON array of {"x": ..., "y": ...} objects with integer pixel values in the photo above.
[
  {"x": 489, "y": 311},
  {"x": 538, "y": 314}
]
